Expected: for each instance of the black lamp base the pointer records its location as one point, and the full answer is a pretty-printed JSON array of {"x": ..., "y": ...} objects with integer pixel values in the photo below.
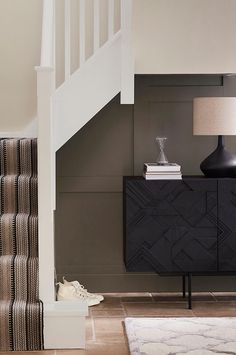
[{"x": 221, "y": 163}]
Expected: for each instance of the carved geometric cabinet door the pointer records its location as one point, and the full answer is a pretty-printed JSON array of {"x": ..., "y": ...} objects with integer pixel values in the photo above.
[
  {"x": 227, "y": 224},
  {"x": 170, "y": 226}
]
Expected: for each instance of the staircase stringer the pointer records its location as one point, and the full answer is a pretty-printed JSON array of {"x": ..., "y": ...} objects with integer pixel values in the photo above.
[{"x": 87, "y": 91}]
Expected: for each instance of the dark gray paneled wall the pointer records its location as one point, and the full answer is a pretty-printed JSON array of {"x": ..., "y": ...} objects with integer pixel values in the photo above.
[{"x": 116, "y": 142}]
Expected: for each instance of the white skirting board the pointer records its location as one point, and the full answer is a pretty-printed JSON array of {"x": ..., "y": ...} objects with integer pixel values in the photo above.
[{"x": 64, "y": 325}]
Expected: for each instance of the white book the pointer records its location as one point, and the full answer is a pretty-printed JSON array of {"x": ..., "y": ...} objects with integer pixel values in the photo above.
[
  {"x": 154, "y": 167},
  {"x": 159, "y": 173},
  {"x": 162, "y": 177}
]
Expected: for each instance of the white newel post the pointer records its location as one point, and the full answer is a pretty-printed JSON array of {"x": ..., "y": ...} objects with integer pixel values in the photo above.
[
  {"x": 46, "y": 184},
  {"x": 46, "y": 154}
]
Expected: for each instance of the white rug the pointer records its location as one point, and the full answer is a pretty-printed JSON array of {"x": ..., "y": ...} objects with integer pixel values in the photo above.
[{"x": 181, "y": 336}]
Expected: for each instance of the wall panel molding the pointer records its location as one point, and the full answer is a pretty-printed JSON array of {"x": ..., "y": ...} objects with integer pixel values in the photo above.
[
  {"x": 116, "y": 142},
  {"x": 89, "y": 184}
]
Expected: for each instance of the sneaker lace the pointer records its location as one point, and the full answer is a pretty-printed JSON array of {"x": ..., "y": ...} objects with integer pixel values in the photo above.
[
  {"x": 78, "y": 293},
  {"x": 84, "y": 292},
  {"x": 78, "y": 286}
]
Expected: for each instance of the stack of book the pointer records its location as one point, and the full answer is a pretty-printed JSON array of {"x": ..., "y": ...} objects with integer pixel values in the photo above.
[{"x": 154, "y": 171}]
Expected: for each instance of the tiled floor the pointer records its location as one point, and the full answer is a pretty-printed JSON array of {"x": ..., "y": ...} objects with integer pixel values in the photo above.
[{"x": 105, "y": 330}]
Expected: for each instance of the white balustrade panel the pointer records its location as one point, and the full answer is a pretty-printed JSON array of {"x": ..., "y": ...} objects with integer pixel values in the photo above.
[{"x": 74, "y": 30}]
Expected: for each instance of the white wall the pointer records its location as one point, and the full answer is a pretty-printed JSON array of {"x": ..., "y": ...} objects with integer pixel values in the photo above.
[
  {"x": 20, "y": 44},
  {"x": 185, "y": 36},
  {"x": 20, "y": 35}
]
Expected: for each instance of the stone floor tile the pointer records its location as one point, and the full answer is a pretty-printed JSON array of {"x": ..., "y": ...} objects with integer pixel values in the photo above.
[
  {"x": 214, "y": 309},
  {"x": 107, "y": 313},
  {"x": 108, "y": 325},
  {"x": 107, "y": 349},
  {"x": 109, "y": 338},
  {"x": 67, "y": 352},
  {"x": 157, "y": 309},
  {"x": 109, "y": 303},
  {"x": 225, "y": 297},
  {"x": 136, "y": 297},
  {"x": 178, "y": 297}
]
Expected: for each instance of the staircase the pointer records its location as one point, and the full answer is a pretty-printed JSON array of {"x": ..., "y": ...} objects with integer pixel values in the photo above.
[
  {"x": 69, "y": 96},
  {"x": 21, "y": 313}
]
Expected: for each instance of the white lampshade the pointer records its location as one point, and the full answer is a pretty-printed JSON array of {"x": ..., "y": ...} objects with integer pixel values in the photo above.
[{"x": 214, "y": 116}]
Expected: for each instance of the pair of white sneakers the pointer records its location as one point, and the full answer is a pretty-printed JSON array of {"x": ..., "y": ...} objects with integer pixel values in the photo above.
[{"x": 74, "y": 291}]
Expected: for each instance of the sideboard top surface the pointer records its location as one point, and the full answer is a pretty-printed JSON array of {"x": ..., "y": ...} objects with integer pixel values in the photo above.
[{"x": 184, "y": 177}]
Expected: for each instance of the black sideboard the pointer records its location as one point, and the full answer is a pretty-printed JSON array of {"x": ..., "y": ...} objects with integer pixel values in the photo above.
[{"x": 180, "y": 227}]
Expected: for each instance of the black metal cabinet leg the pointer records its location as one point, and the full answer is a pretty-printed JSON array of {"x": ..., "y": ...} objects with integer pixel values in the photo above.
[
  {"x": 184, "y": 286},
  {"x": 189, "y": 291}
]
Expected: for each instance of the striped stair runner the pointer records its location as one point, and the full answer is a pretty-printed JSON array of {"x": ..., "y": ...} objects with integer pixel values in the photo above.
[{"x": 21, "y": 312}]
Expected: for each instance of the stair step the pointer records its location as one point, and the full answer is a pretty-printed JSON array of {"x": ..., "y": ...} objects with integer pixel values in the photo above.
[
  {"x": 15, "y": 231},
  {"x": 18, "y": 156},
  {"x": 19, "y": 278},
  {"x": 19, "y": 194},
  {"x": 27, "y": 321}
]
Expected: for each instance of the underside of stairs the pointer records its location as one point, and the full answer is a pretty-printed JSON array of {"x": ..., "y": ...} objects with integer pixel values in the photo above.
[
  {"x": 72, "y": 87},
  {"x": 21, "y": 312}
]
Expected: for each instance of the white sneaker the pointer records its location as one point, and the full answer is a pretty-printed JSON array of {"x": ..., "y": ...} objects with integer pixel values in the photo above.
[
  {"x": 71, "y": 293},
  {"x": 81, "y": 288}
]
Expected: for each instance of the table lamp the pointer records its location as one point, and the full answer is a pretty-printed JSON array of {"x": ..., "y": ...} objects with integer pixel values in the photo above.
[{"x": 216, "y": 116}]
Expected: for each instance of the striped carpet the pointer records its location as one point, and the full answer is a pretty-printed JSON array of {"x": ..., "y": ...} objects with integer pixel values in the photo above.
[{"x": 21, "y": 312}]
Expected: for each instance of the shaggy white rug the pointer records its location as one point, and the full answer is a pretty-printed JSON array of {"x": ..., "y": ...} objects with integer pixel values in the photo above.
[{"x": 181, "y": 336}]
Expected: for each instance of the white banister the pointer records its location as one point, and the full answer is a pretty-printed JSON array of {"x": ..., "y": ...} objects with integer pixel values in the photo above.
[
  {"x": 111, "y": 8},
  {"x": 96, "y": 25},
  {"x": 82, "y": 31},
  {"x": 46, "y": 184},
  {"x": 67, "y": 38},
  {"x": 47, "y": 45},
  {"x": 127, "y": 55},
  {"x": 46, "y": 154}
]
